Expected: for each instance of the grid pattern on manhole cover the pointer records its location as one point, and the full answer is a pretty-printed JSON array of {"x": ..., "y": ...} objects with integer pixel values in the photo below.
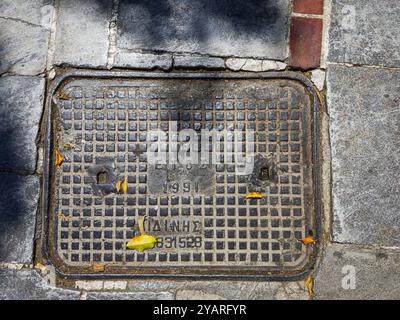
[{"x": 198, "y": 213}]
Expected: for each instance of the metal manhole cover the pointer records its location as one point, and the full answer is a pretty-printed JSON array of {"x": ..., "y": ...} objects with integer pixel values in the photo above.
[{"x": 151, "y": 129}]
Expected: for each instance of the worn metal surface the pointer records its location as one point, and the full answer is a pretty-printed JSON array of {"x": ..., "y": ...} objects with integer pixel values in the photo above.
[{"x": 203, "y": 224}]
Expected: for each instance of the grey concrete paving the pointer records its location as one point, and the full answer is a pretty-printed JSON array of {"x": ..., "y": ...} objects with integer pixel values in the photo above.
[
  {"x": 82, "y": 33},
  {"x": 350, "y": 272},
  {"x": 363, "y": 105},
  {"x": 23, "y": 47},
  {"x": 21, "y": 107},
  {"x": 222, "y": 28},
  {"x": 365, "y": 32},
  {"x": 29, "y": 285},
  {"x": 19, "y": 197}
]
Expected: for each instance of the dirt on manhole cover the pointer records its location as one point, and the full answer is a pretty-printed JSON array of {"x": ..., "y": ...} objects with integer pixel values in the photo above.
[{"x": 182, "y": 151}]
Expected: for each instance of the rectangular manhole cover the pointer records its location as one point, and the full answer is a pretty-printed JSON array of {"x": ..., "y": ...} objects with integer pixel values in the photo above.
[{"x": 182, "y": 151}]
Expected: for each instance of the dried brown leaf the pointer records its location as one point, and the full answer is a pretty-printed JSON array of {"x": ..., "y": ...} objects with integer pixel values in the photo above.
[
  {"x": 308, "y": 241},
  {"x": 98, "y": 267},
  {"x": 118, "y": 186},
  {"x": 62, "y": 96}
]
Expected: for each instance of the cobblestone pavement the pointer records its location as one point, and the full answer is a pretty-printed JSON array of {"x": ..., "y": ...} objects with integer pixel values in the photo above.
[{"x": 352, "y": 55}]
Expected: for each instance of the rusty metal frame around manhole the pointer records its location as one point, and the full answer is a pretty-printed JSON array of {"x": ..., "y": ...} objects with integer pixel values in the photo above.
[{"x": 237, "y": 267}]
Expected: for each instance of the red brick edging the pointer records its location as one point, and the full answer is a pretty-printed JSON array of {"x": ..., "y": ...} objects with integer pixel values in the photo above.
[{"x": 305, "y": 40}]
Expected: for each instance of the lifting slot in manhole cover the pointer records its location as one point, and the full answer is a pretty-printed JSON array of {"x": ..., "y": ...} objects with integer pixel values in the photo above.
[{"x": 222, "y": 167}]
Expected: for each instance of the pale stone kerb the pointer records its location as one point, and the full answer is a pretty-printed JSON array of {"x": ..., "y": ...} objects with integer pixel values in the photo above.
[
  {"x": 325, "y": 32},
  {"x": 145, "y": 296},
  {"x": 145, "y": 61},
  {"x": 318, "y": 78},
  {"x": 292, "y": 291},
  {"x": 166, "y": 61},
  {"x": 255, "y": 65},
  {"x": 198, "y": 61},
  {"x": 325, "y": 178},
  {"x": 15, "y": 266},
  {"x": 229, "y": 290},
  {"x": 89, "y": 285},
  {"x": 101, "y": 285},
  {"x": 197, "y": 295}
]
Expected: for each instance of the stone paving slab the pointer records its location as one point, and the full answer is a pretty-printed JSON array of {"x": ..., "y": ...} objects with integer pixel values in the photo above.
[
  {"x": 23, "y": 47},
  {"x": 82, "y": 33},
  {"x": 221, "y": 28},
  {"x": 29, "y": 285},
  {"x": 18, "y": 203},
  {"x": 365, "y": 32},
  {"x": 376, "y": 273},
  {"x": 363, "y": 105},
  {"x": 20, "y": 112},
  {"x": 21, "y": 106},
  {"x": 32, "y": 11}
]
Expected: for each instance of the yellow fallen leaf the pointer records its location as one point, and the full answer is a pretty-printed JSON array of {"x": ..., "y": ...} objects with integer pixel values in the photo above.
[
  {"x": 142, "y": 242},
  {"x": 68, "y": 145},
  {"x": 59, "y": 159},
  {"x": 62, "y": 96},
  {"x": 253, "y": 195},
  {"x": 98, "y": 267},
  {"x": 40, "y": 266},
  {"x": 308, "y": 240},
  {"x": 118, "y": 185},
  {"x": 320, "y": 98},
  {"x": 125, "y": 185},
  {"x": 309, "y": 285},
  {"x": 62, "y": 217},
  {"x": 140, "y": 222}
]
